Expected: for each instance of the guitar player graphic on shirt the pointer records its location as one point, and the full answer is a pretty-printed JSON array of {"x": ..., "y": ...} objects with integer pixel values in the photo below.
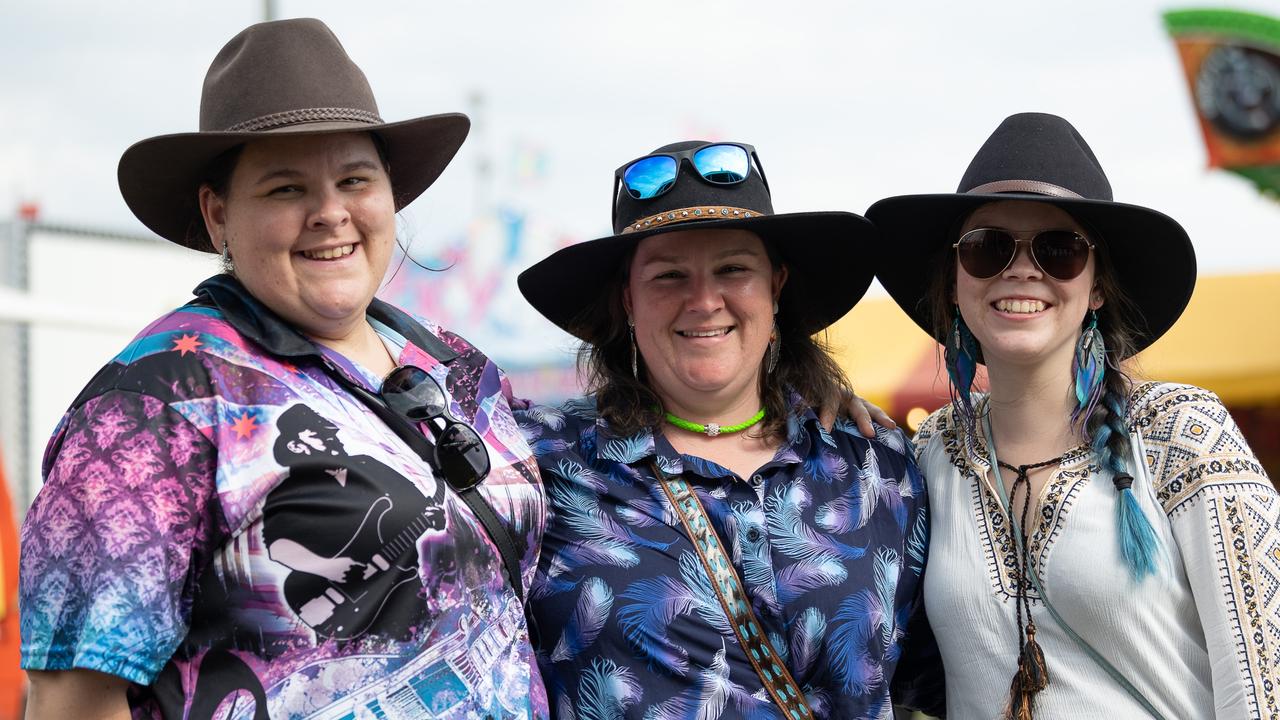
[{"x": 347, "y": 527}]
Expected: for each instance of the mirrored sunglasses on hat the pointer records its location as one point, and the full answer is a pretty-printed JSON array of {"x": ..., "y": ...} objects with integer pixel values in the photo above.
[
  {"x": 986, "y": 252},
  {"x": 718, "y": 163}
]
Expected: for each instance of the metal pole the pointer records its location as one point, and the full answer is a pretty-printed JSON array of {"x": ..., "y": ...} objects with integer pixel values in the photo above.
[
  {"x": 269, "y": 10},
  {"x": 14, "y": 368}
]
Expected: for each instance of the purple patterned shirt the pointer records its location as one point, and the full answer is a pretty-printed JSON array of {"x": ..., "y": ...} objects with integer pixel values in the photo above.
[{"x": 226, "y": 527}]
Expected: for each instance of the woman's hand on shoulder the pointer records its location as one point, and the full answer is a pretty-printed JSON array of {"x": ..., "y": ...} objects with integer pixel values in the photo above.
[{"x": 861, "y": 411}]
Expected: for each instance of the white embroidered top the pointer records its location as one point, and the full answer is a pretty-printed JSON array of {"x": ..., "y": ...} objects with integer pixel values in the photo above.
[{"x": 1199, "y": 640}]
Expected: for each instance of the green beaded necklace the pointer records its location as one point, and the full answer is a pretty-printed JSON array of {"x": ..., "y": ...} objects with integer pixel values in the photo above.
[{"x": 712, "y": 429}]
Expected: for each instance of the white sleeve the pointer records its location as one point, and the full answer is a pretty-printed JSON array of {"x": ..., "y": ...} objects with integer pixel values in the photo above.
[{"x": 1225, "y": 516}]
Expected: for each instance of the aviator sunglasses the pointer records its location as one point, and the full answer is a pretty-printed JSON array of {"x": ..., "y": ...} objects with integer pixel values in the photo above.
[
  {"x": 459, "y": 453},
  {"x": 986, "y": 252},
  {"x": 717, "y": 163}
]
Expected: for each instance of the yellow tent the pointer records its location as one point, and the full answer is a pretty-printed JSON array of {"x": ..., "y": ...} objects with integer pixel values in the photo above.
[{"x": 1228, "y": 340}]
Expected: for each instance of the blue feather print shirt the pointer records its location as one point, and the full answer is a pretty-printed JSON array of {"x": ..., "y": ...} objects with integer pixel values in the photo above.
[{"x": 829, "y": 537}]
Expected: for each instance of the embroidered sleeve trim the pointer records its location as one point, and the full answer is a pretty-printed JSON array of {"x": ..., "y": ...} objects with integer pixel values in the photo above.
[{"x": 1248, "y": 578}]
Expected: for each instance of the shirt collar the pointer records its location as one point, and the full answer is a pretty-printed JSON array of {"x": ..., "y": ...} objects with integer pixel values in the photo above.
[
  {"x": 802, "y": 430},
  {"x": 638, "y": 448},
  {"x": 258, "y": 323}
]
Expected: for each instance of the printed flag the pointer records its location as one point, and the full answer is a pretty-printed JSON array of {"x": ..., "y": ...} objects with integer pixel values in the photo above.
[{"x": 1232, "y": 65}]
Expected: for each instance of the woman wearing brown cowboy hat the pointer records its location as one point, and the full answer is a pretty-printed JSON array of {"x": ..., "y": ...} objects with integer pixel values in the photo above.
[
  {"x": 286, "y": 498},
  {"x": 711, "y": 550},
  {"x": 1100, "y": 547}
]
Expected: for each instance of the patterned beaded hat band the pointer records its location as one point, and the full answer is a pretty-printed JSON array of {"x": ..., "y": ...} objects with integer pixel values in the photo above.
[
  {"x": 688, "y": 215},
  {"x": 278, "y": 78},
  {"x": 828, "y": 254}
]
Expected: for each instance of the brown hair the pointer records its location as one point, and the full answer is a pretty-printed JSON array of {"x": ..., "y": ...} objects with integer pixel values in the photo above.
[
  {"x": 628, "y": 404},
  {"x": 217, "y": 175}
]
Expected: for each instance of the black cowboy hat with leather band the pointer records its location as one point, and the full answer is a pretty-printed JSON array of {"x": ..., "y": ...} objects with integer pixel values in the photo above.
[
  {"x": 1041, "y": 158},
  {"x": 286, "y": 77},
  {"x": 827, "y": 254}
]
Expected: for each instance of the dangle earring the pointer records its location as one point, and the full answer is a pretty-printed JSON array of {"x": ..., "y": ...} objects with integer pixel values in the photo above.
[
  {"x": 775, "y": 350},
  {"x": 635, "y": 366},
  {"x": 775, "y": 344},
  {"x": 961, "y": 353},
  {"x": 1088, "y": 369},
  {"x": 227, "y": 266}
]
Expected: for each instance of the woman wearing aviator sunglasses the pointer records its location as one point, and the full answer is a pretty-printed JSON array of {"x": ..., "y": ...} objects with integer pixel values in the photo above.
[
  {"x": 711, "y": 551},
  {"x": 1100, "y": 548}
]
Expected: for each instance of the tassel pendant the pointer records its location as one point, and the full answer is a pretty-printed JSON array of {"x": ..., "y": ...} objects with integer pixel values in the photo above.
[
  {"x": 1030, "y": 678},
  {"x": 1031, "y": 661}
]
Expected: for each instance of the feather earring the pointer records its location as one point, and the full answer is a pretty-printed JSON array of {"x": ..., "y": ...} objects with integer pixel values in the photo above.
[
  {"x": 961, "y": 353},
  {"x": 635, "y": 365},
  {"x": 1088, "y": 368}
]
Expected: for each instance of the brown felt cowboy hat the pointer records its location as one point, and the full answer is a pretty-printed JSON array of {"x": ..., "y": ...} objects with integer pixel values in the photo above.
[
  {"x": 828, "y": 254},
  {"x": 286, "y": 77},
  {"x": 1038, "y": 157}
]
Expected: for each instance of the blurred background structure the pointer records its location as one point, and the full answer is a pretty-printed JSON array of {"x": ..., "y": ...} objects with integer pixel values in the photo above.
[{"x": 846, "y": 102}]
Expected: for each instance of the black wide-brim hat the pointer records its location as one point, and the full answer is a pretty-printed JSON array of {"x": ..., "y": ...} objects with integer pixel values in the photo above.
[
  {"x": 286, "y": 77},
  {"x": 828, "y": 254},
  {"x": 1041, "y": 158}
]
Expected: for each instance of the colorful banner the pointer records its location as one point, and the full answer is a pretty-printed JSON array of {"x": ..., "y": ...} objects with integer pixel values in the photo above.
[{"x": 1232, "y": 65}]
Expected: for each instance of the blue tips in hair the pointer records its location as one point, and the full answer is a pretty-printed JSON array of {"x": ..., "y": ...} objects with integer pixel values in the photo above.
[{"x": 1138, "y": 542}]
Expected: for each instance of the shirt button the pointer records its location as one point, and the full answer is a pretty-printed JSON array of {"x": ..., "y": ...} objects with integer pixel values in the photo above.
[
  {"x": 753, "y": 534},
  {"x": 757, "y": 479}
]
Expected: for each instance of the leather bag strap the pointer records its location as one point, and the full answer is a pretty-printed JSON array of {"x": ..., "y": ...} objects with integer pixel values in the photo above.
[{"x": 724, "y": 579}]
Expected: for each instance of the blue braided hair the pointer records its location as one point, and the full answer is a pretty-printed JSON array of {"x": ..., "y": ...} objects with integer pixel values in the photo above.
[{"x": 1107, "y": 432}]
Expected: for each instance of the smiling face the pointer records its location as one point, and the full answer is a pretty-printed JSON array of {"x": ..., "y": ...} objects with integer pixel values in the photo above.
[
  {"x": 1023, "y": 316},
  {"x": 309, "y": 222},
  {"x": 702, "y": 303}
]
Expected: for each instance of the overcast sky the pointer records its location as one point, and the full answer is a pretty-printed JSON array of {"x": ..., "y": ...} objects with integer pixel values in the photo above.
[{"x": 847, "y": 102}]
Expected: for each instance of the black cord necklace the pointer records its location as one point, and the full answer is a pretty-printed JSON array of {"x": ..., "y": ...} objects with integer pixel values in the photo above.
[{"x": 1032, "y": 675}]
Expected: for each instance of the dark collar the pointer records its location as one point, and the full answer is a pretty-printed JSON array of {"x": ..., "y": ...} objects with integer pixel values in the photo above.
[{"x": 258, "y": 323}]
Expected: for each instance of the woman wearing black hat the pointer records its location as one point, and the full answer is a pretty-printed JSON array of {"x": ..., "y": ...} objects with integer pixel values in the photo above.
[
  {"x": 711, "y": 551},
  {"x": 286, "y": 498},
  {"x": 1111, "y": 547}
]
